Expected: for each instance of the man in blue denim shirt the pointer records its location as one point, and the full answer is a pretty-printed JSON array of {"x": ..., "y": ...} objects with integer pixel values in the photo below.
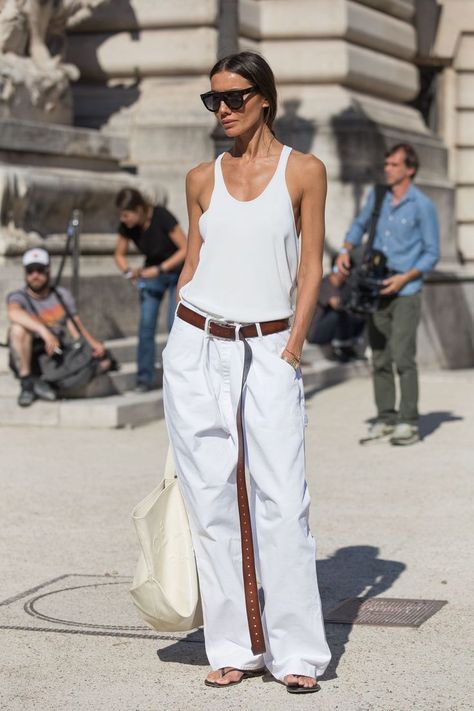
[{"x": 408, "y": 234}]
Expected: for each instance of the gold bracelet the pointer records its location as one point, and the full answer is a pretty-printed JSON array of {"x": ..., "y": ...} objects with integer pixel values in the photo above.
[
  {"x": 293, "y": 361},
  {"x": 293, "y": 354}
]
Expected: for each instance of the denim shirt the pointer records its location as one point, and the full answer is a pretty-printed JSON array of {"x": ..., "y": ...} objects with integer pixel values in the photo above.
[{"x": 407, "y": 233}]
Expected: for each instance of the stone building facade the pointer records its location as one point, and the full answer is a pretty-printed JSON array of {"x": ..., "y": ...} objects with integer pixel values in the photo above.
[
  {"x": 346, "y": 71},
  {"x": 143, "y": 65},
  {"x": 453, "y": 50},
  {"x": 354, "y": 76}
]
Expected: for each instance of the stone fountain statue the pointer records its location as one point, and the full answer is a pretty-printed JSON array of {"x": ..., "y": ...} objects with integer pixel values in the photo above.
[
  {"x": 49, "y": 167},
  {"x": 34, "y": 79}
]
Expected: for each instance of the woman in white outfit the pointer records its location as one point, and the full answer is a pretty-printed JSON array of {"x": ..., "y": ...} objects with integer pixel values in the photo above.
[{"x": 233, "y": 390}]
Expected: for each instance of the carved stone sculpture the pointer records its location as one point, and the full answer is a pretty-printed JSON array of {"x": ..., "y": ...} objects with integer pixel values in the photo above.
[{"x": 34, "y": 80}]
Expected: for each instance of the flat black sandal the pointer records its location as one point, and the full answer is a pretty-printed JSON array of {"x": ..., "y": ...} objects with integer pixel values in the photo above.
[
  {"x": 246, "y": 674},
  {"x": 297, "y": 689}
]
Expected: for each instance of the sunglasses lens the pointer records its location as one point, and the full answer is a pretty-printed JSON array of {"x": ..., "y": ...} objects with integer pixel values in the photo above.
[
  {"x": 234, "y": 100},
  {"x": 33, "y": 268},
  {"x": 211, "y": 101}
]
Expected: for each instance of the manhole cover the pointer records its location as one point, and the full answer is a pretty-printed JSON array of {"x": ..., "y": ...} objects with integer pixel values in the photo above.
[{"x": 384, "y": 611}]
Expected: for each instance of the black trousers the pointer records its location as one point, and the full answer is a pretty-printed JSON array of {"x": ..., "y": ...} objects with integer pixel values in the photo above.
[
  {"x": 334, "y": 325},
  {"x": 36, "y": 350}
]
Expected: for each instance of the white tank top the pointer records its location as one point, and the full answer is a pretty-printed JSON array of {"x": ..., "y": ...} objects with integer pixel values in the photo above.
[{"x": 248, "y": 262}]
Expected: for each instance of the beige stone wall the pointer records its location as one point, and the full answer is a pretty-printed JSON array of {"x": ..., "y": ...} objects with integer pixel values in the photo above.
[
  {"x": 345, "y": 70},
  {"x": 335, "y": 41},
  {"x": 143, "y": 65},
  {"x": 455, "y": 47}
]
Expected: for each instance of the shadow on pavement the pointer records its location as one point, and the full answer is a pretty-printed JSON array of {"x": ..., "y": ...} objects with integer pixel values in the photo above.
[
  {"x": 189, "y": 650},
  {"x": 354, "y": 571},
  {"x": 432, "y": 420}
]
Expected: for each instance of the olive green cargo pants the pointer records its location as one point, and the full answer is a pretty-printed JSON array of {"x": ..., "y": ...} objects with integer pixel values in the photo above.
[{"x": 392, "y": 337}]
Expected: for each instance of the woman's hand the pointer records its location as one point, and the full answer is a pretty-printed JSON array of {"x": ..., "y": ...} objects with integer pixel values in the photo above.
[
  {"x": 148, "y": 272},
  {"x": 292, "y": 358}
]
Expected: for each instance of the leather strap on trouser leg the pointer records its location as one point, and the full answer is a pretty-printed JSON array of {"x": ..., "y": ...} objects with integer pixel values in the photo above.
[{"x": 248, "y": 557}]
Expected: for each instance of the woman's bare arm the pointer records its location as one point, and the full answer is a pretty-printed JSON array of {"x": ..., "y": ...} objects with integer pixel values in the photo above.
[
  {"x": 120, "y": 254},
  {"x": 313, "y": 186}
]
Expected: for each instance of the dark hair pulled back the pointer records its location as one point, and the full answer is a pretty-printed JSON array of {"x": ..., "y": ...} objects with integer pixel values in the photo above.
[
  {"x": 130, "y": 199},
  {"x": 253, "y": 67}
]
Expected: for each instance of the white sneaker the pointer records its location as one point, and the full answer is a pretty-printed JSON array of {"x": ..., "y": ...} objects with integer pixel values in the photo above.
[
  {"x": 378, "y": 432},
  {"x": 404, "y": 434}
]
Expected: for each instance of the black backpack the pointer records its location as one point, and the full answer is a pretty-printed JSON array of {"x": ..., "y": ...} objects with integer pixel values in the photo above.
[{"x": 74, "y": 365}]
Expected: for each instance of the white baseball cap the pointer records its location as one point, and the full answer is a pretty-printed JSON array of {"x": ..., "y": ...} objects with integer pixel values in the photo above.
[{"x": 37, "y": 255}]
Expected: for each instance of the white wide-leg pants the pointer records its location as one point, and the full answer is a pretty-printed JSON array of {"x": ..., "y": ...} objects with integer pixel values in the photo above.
[{"x": 202, "y": 380}]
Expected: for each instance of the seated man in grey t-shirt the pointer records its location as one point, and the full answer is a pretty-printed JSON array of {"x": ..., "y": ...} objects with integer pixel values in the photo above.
[{"x": 38, "y": 322}]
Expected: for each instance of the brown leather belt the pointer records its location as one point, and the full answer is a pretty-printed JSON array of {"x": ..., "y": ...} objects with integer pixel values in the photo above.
[{"x": 232, "y": 332}]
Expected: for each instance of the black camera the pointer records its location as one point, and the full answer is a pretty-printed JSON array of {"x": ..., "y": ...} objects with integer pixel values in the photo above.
[
  {"x": 365, "y": 281},
  {"x": 368, "y": 268}
]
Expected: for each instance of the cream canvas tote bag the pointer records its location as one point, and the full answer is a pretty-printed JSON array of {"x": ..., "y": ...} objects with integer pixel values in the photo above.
[{"x": 165, "y": 588}]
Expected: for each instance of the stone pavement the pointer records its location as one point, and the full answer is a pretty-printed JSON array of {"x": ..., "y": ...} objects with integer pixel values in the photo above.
[{"x": 392, "y": 521}]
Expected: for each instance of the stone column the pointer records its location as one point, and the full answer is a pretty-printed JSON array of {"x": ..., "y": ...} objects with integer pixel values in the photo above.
[
  {"x": 143, "y": 65},
  {"x": 455, "y": 47},
  {"x": 346, "y": 71}
]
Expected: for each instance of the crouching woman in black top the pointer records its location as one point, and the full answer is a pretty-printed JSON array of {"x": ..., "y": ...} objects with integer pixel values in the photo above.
[{"x": 158, "y": 236}]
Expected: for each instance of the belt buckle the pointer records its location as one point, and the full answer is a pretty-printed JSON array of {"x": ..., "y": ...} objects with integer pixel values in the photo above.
[{"x": 227, "y": 324}]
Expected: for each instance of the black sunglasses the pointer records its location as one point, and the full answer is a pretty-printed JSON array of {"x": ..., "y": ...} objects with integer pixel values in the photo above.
[
  {"x": 234, "y": 99},
  {"x": 39, "y": 268}
]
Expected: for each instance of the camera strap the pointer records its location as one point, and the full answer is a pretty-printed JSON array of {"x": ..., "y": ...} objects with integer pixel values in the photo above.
[
  {"x": 67, "y": 310},
  {"x": 380, "y": 192}
]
